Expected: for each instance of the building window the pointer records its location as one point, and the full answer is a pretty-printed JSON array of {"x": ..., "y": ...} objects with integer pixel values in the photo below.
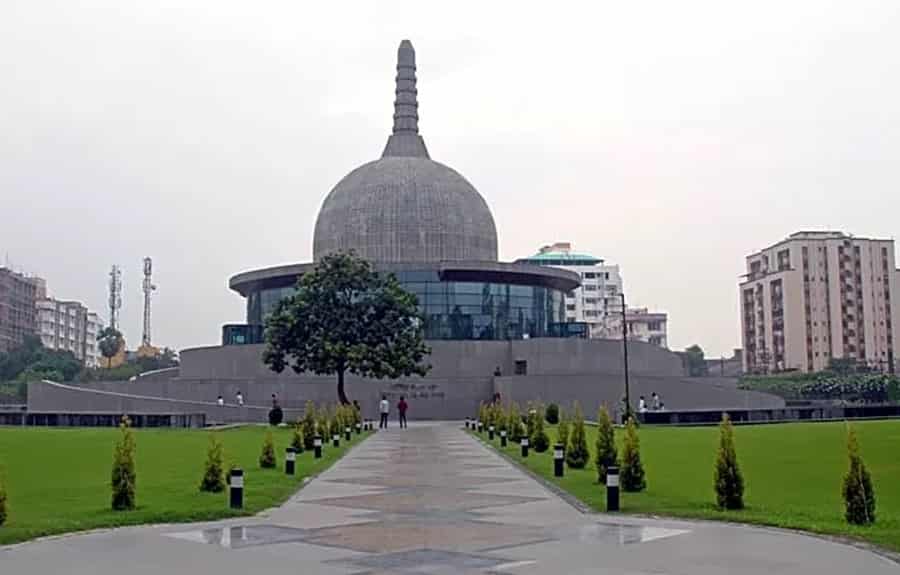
[
  {"x": 590, "y": 287},
  {"x": 521, "y": 367},
  {"x": 654, "y": 326},
  {"x": 590, "y": 275}
]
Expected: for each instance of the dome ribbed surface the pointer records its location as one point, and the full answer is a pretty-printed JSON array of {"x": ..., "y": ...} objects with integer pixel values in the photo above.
[{"x": 406, "y": 209}]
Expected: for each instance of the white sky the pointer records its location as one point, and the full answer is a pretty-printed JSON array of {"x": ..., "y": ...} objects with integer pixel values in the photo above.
[{"x": 672, "y": 138}]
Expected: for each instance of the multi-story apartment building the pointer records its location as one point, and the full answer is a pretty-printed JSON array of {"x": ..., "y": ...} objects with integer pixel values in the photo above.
[
  {"x": 69, "y": 326},
  {"x": 821, "y": 295},
  {"x": 644, "y": 325},
  {"x": 598, "y": 302},
  {"x": 18, "y": 295},
  {"x": 598, "y": 297}
]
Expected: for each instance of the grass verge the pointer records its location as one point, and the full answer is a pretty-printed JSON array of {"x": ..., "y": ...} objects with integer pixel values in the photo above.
[
  {"x": 793, "y": 475},
  {"x": 57, "y": 480}
]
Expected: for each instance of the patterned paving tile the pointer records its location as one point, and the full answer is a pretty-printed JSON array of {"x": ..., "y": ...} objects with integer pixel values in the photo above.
[
  {"x": 405, "y": 535},
  {"x": 409, "y": 501},
  {"x": 240, "y": 536},
  {"x": 413, "y": 481},
  {"x": 427, "y": 561}
]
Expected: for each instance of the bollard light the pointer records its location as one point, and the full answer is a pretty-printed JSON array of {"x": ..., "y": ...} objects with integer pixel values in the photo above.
[
  {"x": 467, "y": 423},
  {"x": 289, "y": 458},
  {"x": 358, "y": 428},
  {"x": 317, "y": 446},
  {"x": 491, "y": 433},
  {"x": 347, "y": 433},
  {"x": 236, "y": 488},
  {"x": 612, "y": 488},
  {"x": 503, "y": 438},
  {"x": 558, "y": 459},
  {"x": 336, "y": 440},
  {"x": 524, "y": 444}
]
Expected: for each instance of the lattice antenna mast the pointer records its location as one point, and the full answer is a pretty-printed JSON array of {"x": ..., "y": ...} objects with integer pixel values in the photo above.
[
  {"x": 115, "y": 296},
  {"x": 148, "y": 290}
]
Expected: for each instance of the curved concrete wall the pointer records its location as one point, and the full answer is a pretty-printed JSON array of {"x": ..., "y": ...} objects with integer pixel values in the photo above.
[
  {"x": 462, "y": 376},
  {"x": 545, "y": 356}
]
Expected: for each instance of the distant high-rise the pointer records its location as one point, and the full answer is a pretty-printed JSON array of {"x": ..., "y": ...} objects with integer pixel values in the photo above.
[
  {"x": 818, "y": 296},
  {"x": 18, "y": 296},
  {"x": 69, "y": 326},
  {"x": 596, "y": 303}
]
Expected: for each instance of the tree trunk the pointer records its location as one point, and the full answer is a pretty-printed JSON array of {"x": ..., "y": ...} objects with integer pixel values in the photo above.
[{"x": 341, "y": 395}]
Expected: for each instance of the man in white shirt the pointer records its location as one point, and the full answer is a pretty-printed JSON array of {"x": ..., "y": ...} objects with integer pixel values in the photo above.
[
  {"x": 220, "y": 400},
  {"x": 384, "y": 408},
  {"x": 240, "y": 398}
]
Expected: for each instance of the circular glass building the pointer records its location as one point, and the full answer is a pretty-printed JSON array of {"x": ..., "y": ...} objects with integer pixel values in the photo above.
[{"x": 424, "y": 222}]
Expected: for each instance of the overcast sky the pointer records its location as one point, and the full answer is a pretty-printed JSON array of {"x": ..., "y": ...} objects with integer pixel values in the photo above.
[{"x": 672, "y": 138}]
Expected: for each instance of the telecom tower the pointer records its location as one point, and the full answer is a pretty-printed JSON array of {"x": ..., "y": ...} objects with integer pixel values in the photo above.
[
  {"x": 115, "y": 296},
  {"x": 148, "y": 289}
]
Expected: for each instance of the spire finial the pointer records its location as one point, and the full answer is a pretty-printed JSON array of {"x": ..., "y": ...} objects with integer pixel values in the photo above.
[
  {"x": 405, "y": 140},
  {"x": 406, "y": 103}
]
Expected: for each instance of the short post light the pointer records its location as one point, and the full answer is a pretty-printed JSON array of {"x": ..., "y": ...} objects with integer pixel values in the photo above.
[
  {"x": 289, "y": 459},
  {"x": 612, "y": 488},
  {"x": 317, "y": 446},
  {"x": 236, "y": 488},
  {"x": 558, "y": 459}
]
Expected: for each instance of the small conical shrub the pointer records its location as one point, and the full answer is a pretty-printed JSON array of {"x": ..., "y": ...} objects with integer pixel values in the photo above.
[
  {"x": 562, "y": 430},
  {"x": 483, "y": 414},
  {"x": 309, "y": 425},
  {"x": 3, "y": 512},
  {"x": 267, "y": 457},
  {"x": 297, "y": 439},
  {"x": 214, "y": 477},
  {"x": 729, "y": 482},
  {"x": 514, "y": 424},
  {"x": 322, "y": 426},
  {"x": 577, "y": 454},
  {"x": 124, "y": 476},
  {"x": 632, "y": 473},
  {"x": 553, "y": 414},
  {"x": 859, "y": 496},
  {"x": 502, "y": 420},
  {"x": 539, "y": 440},
  {"x": 530, "y": 418},
  {"x": 607, "y": 454},
  {"x": 334, "y": 426}
]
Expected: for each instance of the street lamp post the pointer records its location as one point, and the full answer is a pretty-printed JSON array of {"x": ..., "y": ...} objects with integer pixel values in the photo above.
[{"x": 625, "y": 355}]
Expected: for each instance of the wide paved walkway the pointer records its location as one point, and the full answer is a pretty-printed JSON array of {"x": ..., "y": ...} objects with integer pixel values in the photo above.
[{"x": 432, "y": 500}]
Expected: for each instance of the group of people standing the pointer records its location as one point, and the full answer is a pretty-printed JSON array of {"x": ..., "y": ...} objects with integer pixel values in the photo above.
[
  {"x": 384, "y": 408},
  {"x": 656, "y": 404}
]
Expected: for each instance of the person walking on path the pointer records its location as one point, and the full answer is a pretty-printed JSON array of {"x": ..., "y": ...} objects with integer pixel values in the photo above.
[
  {"x": 384, "y": 407},
  {"x": 401, "y": 408},
  {"x": 240, "y": 398}
]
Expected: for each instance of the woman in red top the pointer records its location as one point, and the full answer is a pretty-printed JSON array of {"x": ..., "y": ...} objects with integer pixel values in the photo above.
[{"x": 401, "y": 408}]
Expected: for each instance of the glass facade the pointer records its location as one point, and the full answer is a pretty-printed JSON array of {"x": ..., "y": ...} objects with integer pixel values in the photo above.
[{"x": 462, "y": 310}]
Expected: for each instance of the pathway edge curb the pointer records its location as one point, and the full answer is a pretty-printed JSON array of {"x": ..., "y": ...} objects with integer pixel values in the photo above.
[{"x": 579, "y": 505}]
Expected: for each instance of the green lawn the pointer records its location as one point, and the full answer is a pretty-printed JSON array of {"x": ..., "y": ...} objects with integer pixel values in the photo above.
[
  {"x": 57, "y": 480},
  {"x": 792, "y": 472}
]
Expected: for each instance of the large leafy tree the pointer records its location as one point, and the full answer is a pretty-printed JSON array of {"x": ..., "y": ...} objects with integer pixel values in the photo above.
[
  {"x": 32, "y": 361},
  {"x": 696, "y": 362},
  {"x": 110, "y": 341},
  {"x": 347, "y": 318}
]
